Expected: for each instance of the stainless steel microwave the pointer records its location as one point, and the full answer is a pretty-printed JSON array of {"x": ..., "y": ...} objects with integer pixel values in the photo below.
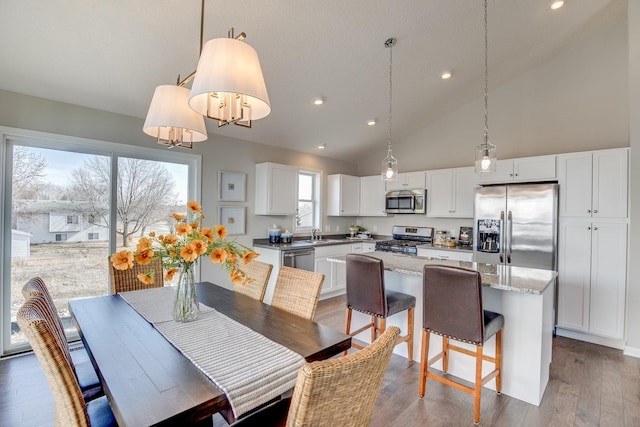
[{"x": 406, "y": 202}]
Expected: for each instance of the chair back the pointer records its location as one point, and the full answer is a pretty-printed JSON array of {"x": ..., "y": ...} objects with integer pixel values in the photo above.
[
  {"x": 342, "y": 392},
  {"x": 453, "y": 303},
  {"x": 36, "y": 286},
  {"x": 259, "y": 272},
  {"x": 127, "y": 280},
  {"x": 365, "y": 285},
  {"x": 33, "y": 320},
  {"x": 297, "y": 291}
]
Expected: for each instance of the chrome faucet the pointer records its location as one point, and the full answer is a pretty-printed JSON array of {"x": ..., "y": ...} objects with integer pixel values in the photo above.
[{"x": 314, "y": 234}]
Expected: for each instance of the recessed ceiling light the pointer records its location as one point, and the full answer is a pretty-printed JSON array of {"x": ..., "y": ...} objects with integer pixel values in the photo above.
[
  {"x": 556, "y": 4},
  {"x": 318, "y": 101},
  {"x": 446, "y": 75},
  {"x": 322, "y": 147},
  {"x": 371, "y": 122}
]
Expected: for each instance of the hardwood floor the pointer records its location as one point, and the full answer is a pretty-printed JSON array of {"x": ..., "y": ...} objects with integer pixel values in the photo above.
[{"x": 590, "y": 385}]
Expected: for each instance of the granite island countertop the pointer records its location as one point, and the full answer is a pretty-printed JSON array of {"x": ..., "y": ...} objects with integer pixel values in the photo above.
[{"x": 508, "y": 278}]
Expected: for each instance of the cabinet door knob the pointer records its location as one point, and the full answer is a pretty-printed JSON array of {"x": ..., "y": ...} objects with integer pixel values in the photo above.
[
  {"x": 588, "y": 210},
  {"x": 588, "y": 228},
  {"x": 595, "y": 228},
  {"x": 595, "y": 211},
  {"x": 510, "y": 174}
]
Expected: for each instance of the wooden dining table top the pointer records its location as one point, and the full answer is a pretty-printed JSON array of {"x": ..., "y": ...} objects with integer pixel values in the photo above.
[{"x": 150, "y": 382}]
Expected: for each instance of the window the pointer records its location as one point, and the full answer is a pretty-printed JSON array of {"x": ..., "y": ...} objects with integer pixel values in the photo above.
[
  {"x": 308, "y": 216},
  {"x": 64, "y": 210}
]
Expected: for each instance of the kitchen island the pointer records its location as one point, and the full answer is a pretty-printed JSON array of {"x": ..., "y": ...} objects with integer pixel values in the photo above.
[{"x": 524, "y": 296}]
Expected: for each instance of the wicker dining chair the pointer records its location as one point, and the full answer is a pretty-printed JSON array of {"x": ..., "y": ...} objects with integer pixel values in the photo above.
[
  {"x": 259, "y": 272},
  {"x": 335, "y": 392},
  {"x": 297, "y": 291},
  {"x": 127, "y": 280},
  {"x": 83, "y": 370},
  {"x": 70, "y": 407}
]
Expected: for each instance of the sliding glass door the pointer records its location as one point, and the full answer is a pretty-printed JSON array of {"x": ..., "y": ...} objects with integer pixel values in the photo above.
[{"x": 70, "y": 209}]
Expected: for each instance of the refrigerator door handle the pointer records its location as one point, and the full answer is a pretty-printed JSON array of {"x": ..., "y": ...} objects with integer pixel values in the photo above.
[
  {"x": 510, "y": 236},
  {"x": 502, "y": 233}
]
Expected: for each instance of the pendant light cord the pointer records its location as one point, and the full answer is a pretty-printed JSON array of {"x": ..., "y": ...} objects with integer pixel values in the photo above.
[
  {"x": 389, "y": 43},
  {"x": 486, "y": 79}
]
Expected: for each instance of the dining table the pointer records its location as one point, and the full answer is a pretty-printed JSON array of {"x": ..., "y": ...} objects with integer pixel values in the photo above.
[{"x": 150, "y": 382}]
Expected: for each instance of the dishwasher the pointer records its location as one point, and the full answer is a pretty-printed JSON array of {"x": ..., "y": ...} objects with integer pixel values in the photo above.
[{"x": 302, "y": 258}]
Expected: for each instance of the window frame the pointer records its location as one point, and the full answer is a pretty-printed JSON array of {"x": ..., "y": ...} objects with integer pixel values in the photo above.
[
  {"x": 316, "y": 200},
  {"x": 15, "y": 136}
]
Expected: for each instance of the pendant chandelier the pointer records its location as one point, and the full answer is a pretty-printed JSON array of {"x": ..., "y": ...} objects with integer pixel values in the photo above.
[
  {"x": 390, "y": 163},
  {"x": 486, "y": 153},
  {"x": 228, "y": 86}
]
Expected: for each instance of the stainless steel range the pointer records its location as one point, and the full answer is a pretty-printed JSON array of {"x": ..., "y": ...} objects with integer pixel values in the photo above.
[{"x": 406, "y": 239}]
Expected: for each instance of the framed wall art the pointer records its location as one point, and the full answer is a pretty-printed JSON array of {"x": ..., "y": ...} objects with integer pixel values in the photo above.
[
  {"x": 232, "y": 186},
  {"x": 233, "y": 218}
]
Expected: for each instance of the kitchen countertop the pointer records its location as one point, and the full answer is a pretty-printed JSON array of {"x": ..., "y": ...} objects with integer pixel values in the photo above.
[
  {"x": 465, "y": 249},
  {"x": 304, "y": 242},
  {"x": 508, "y": 278}
]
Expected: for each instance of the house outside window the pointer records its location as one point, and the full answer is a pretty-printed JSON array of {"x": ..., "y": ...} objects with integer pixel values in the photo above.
[
  {"x": 308, "y": 209},
  {"x": 72, "y": 219},
  {"x": 93, "y": 236},
  {"x": 61, "y": 237}
]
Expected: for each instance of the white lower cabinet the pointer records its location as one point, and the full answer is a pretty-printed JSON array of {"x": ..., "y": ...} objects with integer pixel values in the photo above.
[
  {"x": 592, "y": 266},
  {"x": 454, "y": 255},
  {"x": 335, "y": 274}
]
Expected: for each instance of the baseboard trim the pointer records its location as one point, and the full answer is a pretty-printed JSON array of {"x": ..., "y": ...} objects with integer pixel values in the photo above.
[
  {"x": 631, "y": 351},
  {"x": 594, "y": 339}
]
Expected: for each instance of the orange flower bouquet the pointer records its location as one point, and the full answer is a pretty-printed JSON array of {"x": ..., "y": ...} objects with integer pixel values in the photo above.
[{"x": 179, "y": 252}]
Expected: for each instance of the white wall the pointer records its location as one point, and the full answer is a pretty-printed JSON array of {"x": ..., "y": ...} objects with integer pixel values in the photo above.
[{"x": 633, "y": 284}]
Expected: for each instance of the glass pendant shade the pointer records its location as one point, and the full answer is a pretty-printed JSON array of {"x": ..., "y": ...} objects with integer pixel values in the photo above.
[
  {"x": 170, "y": 119},
  {"x": 486, "y": 157},
  {"x": 389, "y": 168},
  {"x": 228, "y": 85}
]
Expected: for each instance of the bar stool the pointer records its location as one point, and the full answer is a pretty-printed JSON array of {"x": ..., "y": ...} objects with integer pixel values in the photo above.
[
  {"x": 366, "y": 293},
  {"x": 453, "y": 309}
]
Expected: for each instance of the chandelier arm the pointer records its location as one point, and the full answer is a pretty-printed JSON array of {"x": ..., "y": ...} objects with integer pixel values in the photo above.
[{"x": 390, "y": 88}]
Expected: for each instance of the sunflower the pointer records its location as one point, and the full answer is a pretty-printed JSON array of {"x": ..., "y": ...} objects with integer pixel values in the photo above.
[
  {"x": 189, "y": 253},
  {"x": 170, "y": 273},
  {"x": 183, "y": 229},
  {"x": 146, "y": 278},
  {"x": 201, "y": 247},
  {"x": 248, "y": 256},
  {"x": 144, "y": 257},
  {"x": 218, "y": 255},
  {"x": 194, "y": 206},
  {"x": 122, "y": 260},
  {"x": 221, "y": 231}
]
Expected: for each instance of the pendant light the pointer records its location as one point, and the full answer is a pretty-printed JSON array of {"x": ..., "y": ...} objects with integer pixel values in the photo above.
[
  {"x": 486, "y": 153},
  {"x": 228, "y": 86},
  {"x": 390, "y": 163}
]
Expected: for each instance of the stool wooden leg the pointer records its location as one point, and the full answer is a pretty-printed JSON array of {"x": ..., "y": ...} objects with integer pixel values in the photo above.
[
  {"x": 410, "y": 333},
  {"x": 424, "y": 355},
  {"x": 383, "y": 326},
  {"x": 347, "y": 326},
  {"x": 478, "y": 386},
  {"x": 445, "y": 354},
  {"x": 499, "y": 361}
]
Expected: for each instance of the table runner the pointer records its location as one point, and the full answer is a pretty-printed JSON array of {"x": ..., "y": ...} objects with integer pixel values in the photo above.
[{"x": 248, "y": 367}]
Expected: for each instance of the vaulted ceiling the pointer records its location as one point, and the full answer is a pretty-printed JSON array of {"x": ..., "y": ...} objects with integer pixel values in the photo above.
[{"x": 110, "y": 55}]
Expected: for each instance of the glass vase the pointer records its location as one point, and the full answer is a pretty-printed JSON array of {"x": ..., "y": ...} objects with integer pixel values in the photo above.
[{"x": 186, "y": 308}]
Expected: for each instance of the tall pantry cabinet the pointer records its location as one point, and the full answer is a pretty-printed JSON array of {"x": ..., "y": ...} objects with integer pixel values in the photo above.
[{"x": 593, "y": 235}]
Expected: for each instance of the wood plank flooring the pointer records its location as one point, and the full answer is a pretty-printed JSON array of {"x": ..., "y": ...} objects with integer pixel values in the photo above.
[{"x": 590, "y": 385}]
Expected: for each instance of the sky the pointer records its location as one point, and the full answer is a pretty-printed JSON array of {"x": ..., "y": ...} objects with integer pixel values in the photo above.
[{"x": 60, "y": 164}]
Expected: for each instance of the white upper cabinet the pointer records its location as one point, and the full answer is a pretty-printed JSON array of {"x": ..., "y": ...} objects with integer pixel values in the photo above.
[
  {"x": 343, "y": 195},
  {"x": 276, "y": 189},
  {"x": 372, "y": 191},
  {"x": 450, "y": 192},
  {"x": 408, "y": 181},
  {"x": 525, "y": 169},
  {"x": 594, "y": 184}
]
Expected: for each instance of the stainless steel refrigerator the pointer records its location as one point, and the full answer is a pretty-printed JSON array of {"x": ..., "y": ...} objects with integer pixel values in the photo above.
[{"x": 517, "y": 225}]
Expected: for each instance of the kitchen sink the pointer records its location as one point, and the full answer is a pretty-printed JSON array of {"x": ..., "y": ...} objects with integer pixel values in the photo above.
[{"x": 319, "y": 242}]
